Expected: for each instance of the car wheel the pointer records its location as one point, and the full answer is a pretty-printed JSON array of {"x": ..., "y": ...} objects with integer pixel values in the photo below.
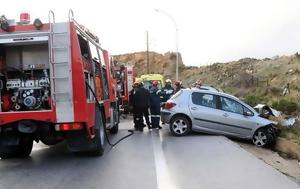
[
  {"x": 180, "y": 126},
  {"x": 273, "y": 136},
  {"x": 262, "y": 138}
]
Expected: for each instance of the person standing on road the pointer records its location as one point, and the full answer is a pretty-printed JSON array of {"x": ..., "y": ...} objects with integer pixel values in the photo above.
[
  {"x": 145, "y": 110},
  {"x": 132, "y": 105},
  {"x": 140, "y": 104},
  {"x": 155, "y": 105},
  {"x": 167, "y": 91}
]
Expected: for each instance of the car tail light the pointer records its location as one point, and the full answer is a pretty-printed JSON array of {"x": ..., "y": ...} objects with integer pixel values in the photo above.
[
  {"x": 169, "y": 105},
  {"x": 68, "y": 126}
]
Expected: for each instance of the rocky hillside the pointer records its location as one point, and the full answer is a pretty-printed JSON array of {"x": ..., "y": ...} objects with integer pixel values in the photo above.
[
  {"x": 158, "y": 63},
  {"x": 248, "y": 77}
]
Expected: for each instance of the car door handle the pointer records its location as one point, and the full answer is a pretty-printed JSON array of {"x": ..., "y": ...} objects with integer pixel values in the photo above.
[
  {"x": 194, "y": 108},
  {"x": 225, "y": 115}
]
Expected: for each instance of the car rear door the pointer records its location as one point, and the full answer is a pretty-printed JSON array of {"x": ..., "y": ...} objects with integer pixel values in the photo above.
[
  {"x": 203, "y": 108},
  {"x": 234, "y": 119}
]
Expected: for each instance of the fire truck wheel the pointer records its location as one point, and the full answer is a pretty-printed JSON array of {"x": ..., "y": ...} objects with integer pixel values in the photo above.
[
  {"x": 99, "y": 139},
  {"x": 115, "y": 128},
  {"x": 51, "y": 142},
  {"x": 7, "y": 152},
  {"x": 23, "y": 149},
  {"x": 25, "y": 146}
]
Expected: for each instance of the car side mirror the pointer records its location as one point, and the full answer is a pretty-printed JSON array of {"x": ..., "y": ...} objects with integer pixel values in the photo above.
[{"x": 248, "y": 113}]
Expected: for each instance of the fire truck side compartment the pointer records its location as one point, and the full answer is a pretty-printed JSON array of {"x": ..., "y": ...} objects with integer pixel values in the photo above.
[
  {"x": 25, "y": 68},
  {"x": 25, "y": 57}
]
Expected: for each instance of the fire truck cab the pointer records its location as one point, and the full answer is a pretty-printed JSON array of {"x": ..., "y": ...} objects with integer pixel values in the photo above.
[{"x": 56, "y": 83}]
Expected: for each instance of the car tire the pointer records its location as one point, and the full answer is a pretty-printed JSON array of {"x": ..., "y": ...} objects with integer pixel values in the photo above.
[
  {"x": 274, "y": 136},
  {"x": 263, "y": 138},
  {"x": 180, "y": 126}
]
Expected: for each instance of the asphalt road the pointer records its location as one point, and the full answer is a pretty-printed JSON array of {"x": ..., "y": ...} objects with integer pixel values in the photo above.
[{"x": 145, "y": 160}]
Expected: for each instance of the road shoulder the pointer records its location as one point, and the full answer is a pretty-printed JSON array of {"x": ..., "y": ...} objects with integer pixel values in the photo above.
[{"x": 289, "y": 167}]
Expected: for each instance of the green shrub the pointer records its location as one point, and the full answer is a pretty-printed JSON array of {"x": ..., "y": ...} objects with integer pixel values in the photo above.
[
  {"x": 285, "y": 106},
  {"x": 253, "y": 100}
]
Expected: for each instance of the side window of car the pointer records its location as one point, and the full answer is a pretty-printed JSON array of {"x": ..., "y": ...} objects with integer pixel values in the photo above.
[
  {"x": 203, "y": 99},
  {"x": 248, "y": 112},
  {"x": 231, "y": 105}
]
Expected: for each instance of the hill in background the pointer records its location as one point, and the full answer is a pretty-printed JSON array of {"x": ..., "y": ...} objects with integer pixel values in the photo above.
[{"x": 158, "y": 63}]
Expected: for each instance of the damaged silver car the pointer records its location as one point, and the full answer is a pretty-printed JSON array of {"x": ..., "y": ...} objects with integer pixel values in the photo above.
[{"x": 216, "y": 113}]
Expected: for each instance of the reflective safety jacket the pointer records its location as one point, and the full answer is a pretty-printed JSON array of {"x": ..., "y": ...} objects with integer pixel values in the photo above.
[{"x": 166, "y": 93}]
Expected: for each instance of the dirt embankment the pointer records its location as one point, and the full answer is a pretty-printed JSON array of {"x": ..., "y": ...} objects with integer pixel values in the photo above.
[{"x": 164, "y": 64}]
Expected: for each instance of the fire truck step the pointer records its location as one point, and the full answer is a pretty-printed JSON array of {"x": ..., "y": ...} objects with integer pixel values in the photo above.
[
  {"x": 61, "y": 92},
  {"x": 64, "y": 62},
  {"x": 61, "y": 48},
  {"x": 60, "y": 77},
  {"x": 60, "y": 33}
]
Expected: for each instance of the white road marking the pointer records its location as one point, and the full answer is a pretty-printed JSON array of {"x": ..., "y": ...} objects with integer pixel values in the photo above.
[{"x": 162, "y": 173}]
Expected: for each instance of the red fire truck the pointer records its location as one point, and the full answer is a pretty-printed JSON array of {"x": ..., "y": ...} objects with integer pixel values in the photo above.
[
  {"x": 56, "y": 83},
  {"x": 125, "y": 75}
]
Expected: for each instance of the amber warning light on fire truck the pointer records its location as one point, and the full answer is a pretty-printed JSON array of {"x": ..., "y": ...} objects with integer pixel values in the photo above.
[{"x": 51, "y": 77}]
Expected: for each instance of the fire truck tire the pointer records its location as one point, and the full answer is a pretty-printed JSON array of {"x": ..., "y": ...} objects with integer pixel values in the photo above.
[
  {"x": 51, "y": 142},
  {"x": 99, "y": 139},
  {"x": 115, "y": 128},
  {"x": 23, "y": 149},
  {"x": 7, "y": 152},
  {"x": 25, "y": 146}
]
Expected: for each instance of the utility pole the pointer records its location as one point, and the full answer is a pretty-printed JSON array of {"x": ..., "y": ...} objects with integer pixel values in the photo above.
[{"x": 148, "y": 68}]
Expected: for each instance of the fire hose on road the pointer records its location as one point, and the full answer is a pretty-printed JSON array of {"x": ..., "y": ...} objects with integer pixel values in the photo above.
[{"x": 131, "y": 132}]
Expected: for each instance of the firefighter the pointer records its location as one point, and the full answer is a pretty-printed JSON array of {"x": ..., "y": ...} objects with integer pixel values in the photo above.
[
  {"x": 140, "y": 104},
  {"x": 132, "y": 107},
  {"x": 145, "y": 111},
  {"x": 167, "y": 91},
  {"x": 198, "y": 83},
  {"x": 155, "y": 105},
  {"x": 178, "y": 86}
]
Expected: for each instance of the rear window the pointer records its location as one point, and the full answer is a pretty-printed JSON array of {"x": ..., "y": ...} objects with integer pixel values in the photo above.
[{"x": 204, "y": 99}]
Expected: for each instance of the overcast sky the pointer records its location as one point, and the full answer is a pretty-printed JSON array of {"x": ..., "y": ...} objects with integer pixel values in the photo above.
[{"x": 209, "y": 30}]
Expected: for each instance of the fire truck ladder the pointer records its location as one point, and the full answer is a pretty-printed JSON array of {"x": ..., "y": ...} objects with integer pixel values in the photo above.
[{"x": 61, "y": 73}]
